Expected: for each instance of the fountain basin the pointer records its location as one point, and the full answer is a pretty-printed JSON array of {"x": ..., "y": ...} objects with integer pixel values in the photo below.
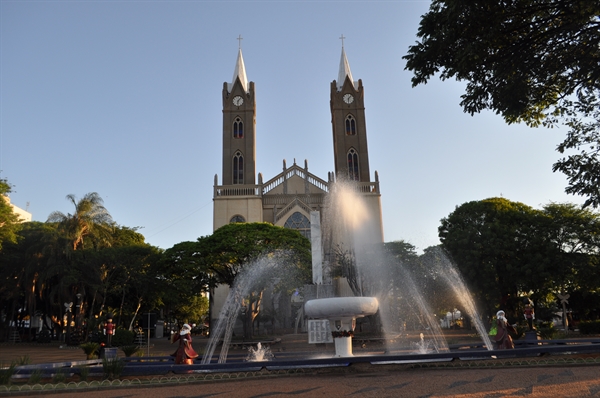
[
  {"x": 341, "y": 307},
  {"x": 341, "y": 313}
]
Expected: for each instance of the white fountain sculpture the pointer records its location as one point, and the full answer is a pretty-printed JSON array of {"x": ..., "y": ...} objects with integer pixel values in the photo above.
[{"x": 341, "y": 313}]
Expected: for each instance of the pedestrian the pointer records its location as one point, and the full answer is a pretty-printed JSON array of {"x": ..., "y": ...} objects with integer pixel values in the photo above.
[
  {"x": 503, "y": 330},
  {"x": 185, "y": 353}
]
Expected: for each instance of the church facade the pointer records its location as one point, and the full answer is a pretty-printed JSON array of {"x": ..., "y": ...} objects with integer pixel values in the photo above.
[{"x": 288, "y": 198}]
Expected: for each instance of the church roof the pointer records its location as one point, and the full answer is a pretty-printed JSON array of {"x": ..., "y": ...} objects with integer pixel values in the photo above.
[
  {"x": 240, "y": 71},
  {"x": 344, "y": 71}
]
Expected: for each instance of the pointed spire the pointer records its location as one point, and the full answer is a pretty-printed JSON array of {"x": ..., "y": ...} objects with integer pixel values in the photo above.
[
  {"x": 344, "y": 68},
  {"x": 240, "y": 71}
]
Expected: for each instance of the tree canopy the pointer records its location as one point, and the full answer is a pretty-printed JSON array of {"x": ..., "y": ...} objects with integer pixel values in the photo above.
[
  {"x": 9, "y": 221},
  {"x": 90, "y": 219},
  {"x": 230, "y": 247},
  {"x": 518, "y": 57},
  {"x": 505, "y": 249},
  {"x": 532, "y": 61}
]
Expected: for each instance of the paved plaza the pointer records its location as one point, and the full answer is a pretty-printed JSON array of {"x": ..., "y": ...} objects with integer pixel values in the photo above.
[{"x": 521, "y": 377}]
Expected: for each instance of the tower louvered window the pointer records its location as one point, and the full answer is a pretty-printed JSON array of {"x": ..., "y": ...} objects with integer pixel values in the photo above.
[
  {"x": 353, "y": 165},
  {"x": 238, "y": 128},
  {"x": 238, "y": 168},
  {"x": 350, "y": 125}
]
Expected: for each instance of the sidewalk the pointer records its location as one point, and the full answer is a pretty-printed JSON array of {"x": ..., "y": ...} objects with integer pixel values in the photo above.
[{"x": 523, "y": 377}]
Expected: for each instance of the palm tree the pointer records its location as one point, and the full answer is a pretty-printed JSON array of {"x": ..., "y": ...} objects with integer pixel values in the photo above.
[{"x": 90, "y": 219}]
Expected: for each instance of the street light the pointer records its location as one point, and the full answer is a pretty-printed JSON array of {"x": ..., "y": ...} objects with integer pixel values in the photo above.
[
  {"x": 68, "y": 311},
  {"x": 78, "y": 311}
]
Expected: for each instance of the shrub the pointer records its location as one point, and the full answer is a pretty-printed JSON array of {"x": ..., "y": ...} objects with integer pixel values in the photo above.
[
  {"x": 112, "y": 368},
  {"x": 589, "y": 327},
  {"x": 90, "y": 349},
  {"x": 129, "y": 350},
  {"x": 24, "y": 360},
  {"x": 84, "y": 372},
  {"x": 59, "y": 377},
  {"x": 122, "y": 337},
  {"x": 6, "y": 373},
  {"x": 36, "y": 377}
]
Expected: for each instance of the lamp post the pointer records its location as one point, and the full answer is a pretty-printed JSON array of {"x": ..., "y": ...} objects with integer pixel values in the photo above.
[
  {"x": 69, "y": 317},
  {"x": 78, "y": 311}
]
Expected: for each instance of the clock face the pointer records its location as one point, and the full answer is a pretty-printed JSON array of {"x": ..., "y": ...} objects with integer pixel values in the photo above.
[
  {"x": 237, "y": 100},
  {"x": 348, "y": 98}
]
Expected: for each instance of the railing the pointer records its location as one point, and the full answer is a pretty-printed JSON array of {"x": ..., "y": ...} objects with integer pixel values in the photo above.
[
  {"x": 237, "y": 190},
  {"x": 290, "y": 172}
]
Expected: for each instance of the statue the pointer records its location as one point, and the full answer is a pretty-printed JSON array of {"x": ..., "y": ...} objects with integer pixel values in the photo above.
[
  {"x": 109, "y": 329},
  {"x": 502, "y": 337},
  {"x": 185, "y": 353}
]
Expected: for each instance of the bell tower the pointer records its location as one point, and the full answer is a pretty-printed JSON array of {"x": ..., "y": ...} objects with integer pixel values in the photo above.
[
  {"x": 351, "y": 155},
  {"x": 239, "y": 128}
]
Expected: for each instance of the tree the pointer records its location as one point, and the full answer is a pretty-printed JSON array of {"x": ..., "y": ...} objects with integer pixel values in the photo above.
[
  {"x": 9, "y": 221},
  {"x": 505, "y": 250},
  {"x": 532, "y": 61},
  {"x": 232, "y": 246},
  {"x": 494, "y": 245},
  {"x": 90, "y": 220},
  {"x": 582, "y": 168},
  {"x": 184, "y": 279},
  {"x": 236, "y": 246}
]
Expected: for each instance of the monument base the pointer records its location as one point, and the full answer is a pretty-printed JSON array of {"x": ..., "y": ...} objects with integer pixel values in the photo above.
[
  {"x": 532, "y": 337},
  {"x": 108, "y": 353}
]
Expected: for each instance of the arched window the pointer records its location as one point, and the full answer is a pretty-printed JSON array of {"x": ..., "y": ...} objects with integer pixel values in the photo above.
[
  {"x": 353, "y": 165},
  {"x": 238, "y": 168},
  {"x": 300, "y": 222},
  {"x": 237, "y": 218},
  {"x": 238, "y": 128},
  {"x": 350, "y": 125}
]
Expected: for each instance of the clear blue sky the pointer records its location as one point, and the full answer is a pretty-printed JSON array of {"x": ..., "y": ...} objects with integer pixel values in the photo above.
[{"x": 123, "y": 98}]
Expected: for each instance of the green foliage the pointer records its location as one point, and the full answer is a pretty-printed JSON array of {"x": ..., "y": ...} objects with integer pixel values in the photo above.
[
  {"x": 130, "y": 350},
  {"x": 402, "y": 251},
  {"x": 112, "y": 368},
  {"x": 589, "y": 327},
  {"x": 582, "y": 144},
  {"x": 90, "y": 349},
  {"x": 504, "y": 248},
  {"x": 122, "y": 337},
  {"x": 36, "y": 377},
  {"x": 233, "y": 245},
  {"x": 195, "y": 310},
  {"x": 59, "y": 377},
  {"x": 90, "y": 221},
  {"x": 6, "y": 373},
  {"x": 9, "y": 221},
  {"x": 84, "y": 373},
  {"x": 518, "y": 58},
  {"x": 532, "y": 61},
  {"x": 23, "y": 360}
]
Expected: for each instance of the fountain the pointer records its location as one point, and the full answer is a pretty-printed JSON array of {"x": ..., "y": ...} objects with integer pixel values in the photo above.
[
  {"x": 259, "y": 354},
  {"x": 422, "y": 345},
  {"x": 380, "y": 283},
  {"x": 341, "y": 313}
]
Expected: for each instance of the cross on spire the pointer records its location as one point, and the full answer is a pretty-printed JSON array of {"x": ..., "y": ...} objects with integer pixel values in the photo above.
[
  {"x": 239, "y": 39},
  {"x": 342, "y": 37}
]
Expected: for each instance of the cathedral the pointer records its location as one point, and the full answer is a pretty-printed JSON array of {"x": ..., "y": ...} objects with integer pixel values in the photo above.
[{"x": 290, "y": 198}]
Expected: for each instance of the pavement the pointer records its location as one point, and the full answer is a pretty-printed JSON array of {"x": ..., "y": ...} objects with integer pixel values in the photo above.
[{"x": 521, "y": 377}]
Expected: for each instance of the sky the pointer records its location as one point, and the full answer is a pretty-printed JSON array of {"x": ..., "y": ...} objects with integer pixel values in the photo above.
[{"x": 123, "y": 98}]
